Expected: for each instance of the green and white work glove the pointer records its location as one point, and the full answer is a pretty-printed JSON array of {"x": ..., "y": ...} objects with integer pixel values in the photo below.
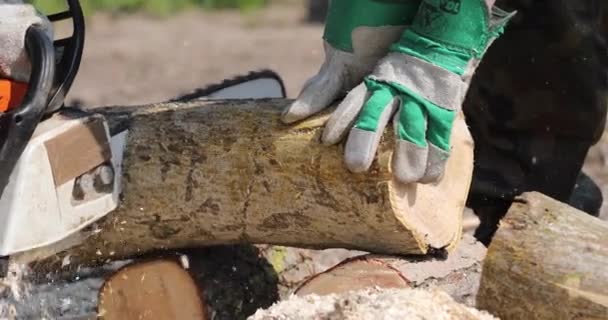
[
  {"x": 420, "y": 85},
  {"x": 357, "y": 34},
  {"x": 15, "y": 19}
]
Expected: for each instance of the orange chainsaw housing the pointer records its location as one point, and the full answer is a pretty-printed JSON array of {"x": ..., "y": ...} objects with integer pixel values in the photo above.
[{"x": 11, "y": 94}]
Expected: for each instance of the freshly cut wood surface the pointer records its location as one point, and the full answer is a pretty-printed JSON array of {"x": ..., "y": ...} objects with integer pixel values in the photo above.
[
  {"x": 547, "y": 261},
  {"x": 205, "y": 173},
  {"x": 458, "y": 274},
  {"x": 354, "y": 274},
  {"x": 155, "y": 290}
]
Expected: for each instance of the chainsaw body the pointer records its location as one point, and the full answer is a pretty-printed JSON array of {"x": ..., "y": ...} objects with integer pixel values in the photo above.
[
  {"x": 66, "y": 178},
  {"x": 59, "y": 167}
]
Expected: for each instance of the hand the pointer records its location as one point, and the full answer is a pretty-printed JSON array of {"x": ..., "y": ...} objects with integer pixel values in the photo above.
[
  {"x": 357, "y": 34},
  {"x": 15, "y": 19},
  {"x": 421, "y": 85}
]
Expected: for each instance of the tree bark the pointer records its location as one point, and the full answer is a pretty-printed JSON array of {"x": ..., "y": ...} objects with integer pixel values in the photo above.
[
  {"x": 205, "y": 173},
  {"x": 546, "y": 261}
]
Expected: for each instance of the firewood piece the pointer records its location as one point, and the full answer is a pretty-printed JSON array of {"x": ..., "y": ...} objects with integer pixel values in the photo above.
[
  {"x": 547, "y": 261},
  {"x": 458, "y": 275},
  {"x": 354, "y": 274},
  {"x": 158, "y": 289}
]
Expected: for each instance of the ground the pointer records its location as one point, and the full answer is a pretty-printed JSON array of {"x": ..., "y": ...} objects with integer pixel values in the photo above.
[{"x": 138, "y": 59}]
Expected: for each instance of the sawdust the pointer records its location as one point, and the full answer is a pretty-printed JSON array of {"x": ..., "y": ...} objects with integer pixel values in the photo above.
[
  {"x": 372, "y": 304},
  {"x": 24, "y": 296}
]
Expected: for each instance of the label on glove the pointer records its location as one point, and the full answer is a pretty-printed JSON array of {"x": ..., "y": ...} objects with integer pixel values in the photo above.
[{"x": 11, "y": 94}]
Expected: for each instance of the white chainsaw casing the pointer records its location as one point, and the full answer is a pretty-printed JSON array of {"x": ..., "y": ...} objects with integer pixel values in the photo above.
[{"x": 35, "y": 211}]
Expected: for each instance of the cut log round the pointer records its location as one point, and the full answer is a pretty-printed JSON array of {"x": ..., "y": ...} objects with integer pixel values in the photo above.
[
  {"x": 546, "y": 261},
  {"x": 158, "y": 290},
  {"x": 211, "y": 173},
  {"x": 458, "y": 275},
  {"x": 354, "y": 274}
]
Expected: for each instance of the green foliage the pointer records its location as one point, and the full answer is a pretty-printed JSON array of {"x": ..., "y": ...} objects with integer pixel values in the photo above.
[{"x": 156, "y": 7}]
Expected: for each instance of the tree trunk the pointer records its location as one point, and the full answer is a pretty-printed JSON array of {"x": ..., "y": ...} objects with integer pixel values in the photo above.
[
  {"x": 213, "y": 173},
  {"x": 546, "y": 261}
]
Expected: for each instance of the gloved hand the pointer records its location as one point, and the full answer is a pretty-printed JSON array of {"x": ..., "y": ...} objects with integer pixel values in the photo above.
[
  {"x": 357, "y": 34},
  {"x": 421, "y": 85},
  {"x": 15, "y": 19}
]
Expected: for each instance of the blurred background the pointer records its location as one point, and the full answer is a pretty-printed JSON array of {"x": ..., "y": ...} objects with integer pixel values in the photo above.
[{"x": 141, "y": 51}]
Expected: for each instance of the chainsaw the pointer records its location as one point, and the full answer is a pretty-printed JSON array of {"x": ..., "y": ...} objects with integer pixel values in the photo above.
[{"x": 60, "y": 166}]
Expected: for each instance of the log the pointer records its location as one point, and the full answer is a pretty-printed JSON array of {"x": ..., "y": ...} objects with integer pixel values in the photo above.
[
  {"x": 458, "y": 275},
  {"x": 373, "y": 304},
  {"x": 546, "y": 261},
  {"x": 157, "y": 289},
  {"x": 204, "y": 173},
  {"x": 352, "y": 275}
]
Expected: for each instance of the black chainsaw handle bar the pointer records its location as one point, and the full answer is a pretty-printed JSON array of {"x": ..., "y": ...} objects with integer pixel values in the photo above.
[
  {"x": 18, "y": 124},
  {"x": 42, "y": 56},
  {"x": 69, "y": 53}
]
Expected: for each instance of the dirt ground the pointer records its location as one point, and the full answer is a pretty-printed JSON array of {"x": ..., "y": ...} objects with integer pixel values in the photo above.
[{"x": 138, "y": 59}]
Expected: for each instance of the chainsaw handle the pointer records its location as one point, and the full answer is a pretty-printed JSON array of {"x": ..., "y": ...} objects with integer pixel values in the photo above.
[
  {"x": 69, "y": 62},
  {"x": 42, "y": 57},
  {"x": 18, "y": 124}
]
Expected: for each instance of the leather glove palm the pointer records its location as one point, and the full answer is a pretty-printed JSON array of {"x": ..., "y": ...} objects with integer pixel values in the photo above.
[{"x": 357, "y": 34}]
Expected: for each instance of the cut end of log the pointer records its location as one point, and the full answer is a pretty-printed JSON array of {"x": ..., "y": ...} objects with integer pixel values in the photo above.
[
  {"x": 154, "y": 290},
  {"x": 433, "y": 212},
  {"x": 458, "y": 275},
  {"x": 354, "y": 274}
]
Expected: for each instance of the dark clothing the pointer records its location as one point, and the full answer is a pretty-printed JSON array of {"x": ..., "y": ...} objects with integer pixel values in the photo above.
[{"x": 538, "y": 102}]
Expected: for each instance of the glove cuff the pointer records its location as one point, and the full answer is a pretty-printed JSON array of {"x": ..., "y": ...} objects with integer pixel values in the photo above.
[
  {"x": 451, "y": 36},
  {"x": 344, "y": 16}
]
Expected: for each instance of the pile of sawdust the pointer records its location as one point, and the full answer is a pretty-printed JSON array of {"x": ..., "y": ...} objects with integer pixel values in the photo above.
[{"x": 373, "y": 304}]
